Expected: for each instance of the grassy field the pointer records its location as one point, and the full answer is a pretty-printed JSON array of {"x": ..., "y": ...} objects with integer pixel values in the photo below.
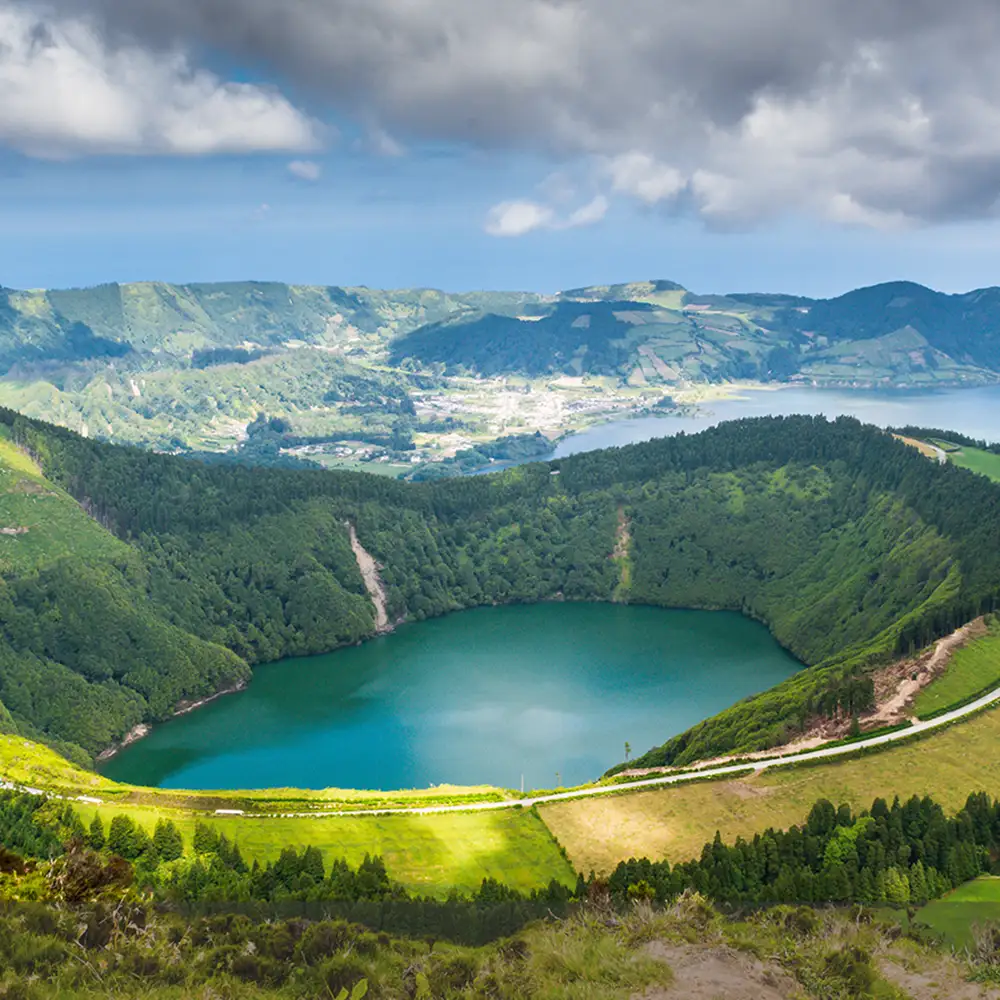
[
  {"x": 971, "y": 670},
  {"x": 984, "y": 462},
  {"x": 922, "y": 446},
  {"x": 955, "y": 915},
  {"x": 676, "y": 822},
  {"x": 34, "y": 765},
  {"x": 428, "y": 854}
]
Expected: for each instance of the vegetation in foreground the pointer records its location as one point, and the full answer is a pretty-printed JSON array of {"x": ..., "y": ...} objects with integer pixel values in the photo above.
[
  {"x": 98, "y": 912},
  {"x": 688, "y": 950}
]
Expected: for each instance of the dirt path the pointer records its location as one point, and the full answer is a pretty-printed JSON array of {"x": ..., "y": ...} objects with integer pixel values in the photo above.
[
  {"x": 623, "y": 539},
  {"x": 907, "y": 679},
  {"x": 373, "y": 582}
]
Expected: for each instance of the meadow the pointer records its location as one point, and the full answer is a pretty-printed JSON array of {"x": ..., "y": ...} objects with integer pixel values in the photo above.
[
  {"x": 971, "y": 671},
  {"x": 428, "y": 854},
  {"x": 956, "y": 915},
  {"x": 675, "y": 823},
  {"x": 986, "y": 463}
]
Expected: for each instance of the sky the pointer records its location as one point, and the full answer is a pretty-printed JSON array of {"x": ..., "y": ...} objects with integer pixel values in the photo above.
[{"x": 806, "y": 146}]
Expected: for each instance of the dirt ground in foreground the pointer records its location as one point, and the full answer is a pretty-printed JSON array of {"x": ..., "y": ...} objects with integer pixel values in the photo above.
[
  {"x": 712, "y": 973},
  {"x": 942, "y": 981}
]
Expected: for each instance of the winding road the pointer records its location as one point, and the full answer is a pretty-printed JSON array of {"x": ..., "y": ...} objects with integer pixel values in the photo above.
[
  {"x": 672, "y": 779},
  {"x": 582, "y": 793}
]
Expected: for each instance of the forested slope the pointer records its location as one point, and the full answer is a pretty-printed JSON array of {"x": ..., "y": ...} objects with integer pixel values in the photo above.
[{"x": 851, "y": 547}]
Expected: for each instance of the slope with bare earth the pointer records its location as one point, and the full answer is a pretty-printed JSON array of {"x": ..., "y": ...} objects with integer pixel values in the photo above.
[{"x": 373, "y": 582}]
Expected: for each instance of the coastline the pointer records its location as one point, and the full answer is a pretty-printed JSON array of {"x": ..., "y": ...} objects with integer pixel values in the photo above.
[{"x": 143, "y": 729}]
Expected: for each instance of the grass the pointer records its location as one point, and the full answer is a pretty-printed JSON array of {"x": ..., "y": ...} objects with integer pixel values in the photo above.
[
  {"x": 984, "y": 462},
  {"x": 922, "y": 446},
  {"x": 955, "y": 915},
  {"x": 972, "y": 669},
  {"x": 56, "y": 524},
  {"x": 34, "y": 765},
  {"x": 676, "y": 822},
  {"x": 428, "y": 854}
]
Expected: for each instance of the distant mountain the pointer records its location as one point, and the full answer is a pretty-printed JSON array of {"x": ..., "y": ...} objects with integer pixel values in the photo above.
[
  {"x": 892, "y": 334},
  {"x": 155, "y": 317},
  {"x": 965, "y": 328},
  {"x": 189, "y": 367}
]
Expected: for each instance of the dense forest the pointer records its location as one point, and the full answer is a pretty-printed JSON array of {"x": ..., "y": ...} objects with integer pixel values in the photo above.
[
  {"x": 852, "y": 547},
  {"x": 900, "y": 854}
]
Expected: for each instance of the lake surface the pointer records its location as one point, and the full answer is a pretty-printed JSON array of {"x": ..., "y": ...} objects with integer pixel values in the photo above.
[
  {"x": 975, "y": 412},
  {"x": 479, "y": 696}
]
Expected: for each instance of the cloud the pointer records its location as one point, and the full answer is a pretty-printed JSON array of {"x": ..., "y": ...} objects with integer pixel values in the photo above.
[
  {"x": 640, "y": 175},
  {"x": 518, "y": 218},
  {"x": 744, "y": 110},
  {"x": 305, "y": 170},
  {"x": 64, "y": 91},
  {"x": 382, "y": 144},
  {"x": 588, "y": 214}
]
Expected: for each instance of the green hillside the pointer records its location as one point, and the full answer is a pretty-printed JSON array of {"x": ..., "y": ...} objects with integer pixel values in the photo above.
[{"x": 848, "y": 544}]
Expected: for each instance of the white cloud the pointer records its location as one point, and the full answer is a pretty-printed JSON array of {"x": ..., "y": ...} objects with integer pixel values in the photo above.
[
  {"x": 64, "y": 91},
  {"x": 587, "y": 215},
  {"x": 518, "y": 218},
  {"x": 742, "y": 110},
  {"x": 640, "y": 175},
  {"x": 305, "y": 170}
]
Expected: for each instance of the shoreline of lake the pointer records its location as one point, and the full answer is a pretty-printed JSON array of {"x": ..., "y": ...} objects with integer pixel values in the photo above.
[{"x": 476, "y": 696}]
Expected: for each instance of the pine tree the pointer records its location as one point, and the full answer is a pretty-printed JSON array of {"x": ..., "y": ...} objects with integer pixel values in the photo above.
[
  {"x": 167, "y": 841},
  {"x": 918, "y": 883},
  {"x": 95, "y": 836},
  {"x": 206, "y": 840},
  {"x": 125, "y": 838}
]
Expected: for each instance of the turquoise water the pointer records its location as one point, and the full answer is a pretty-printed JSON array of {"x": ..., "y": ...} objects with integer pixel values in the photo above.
[{"x": 548, "y": 691}]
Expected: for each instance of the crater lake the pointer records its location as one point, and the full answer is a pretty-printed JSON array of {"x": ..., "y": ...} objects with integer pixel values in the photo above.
[{"x": 549, "y": 691}]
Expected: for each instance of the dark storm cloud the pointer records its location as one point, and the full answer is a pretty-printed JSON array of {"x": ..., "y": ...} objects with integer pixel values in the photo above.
[{"x": 865, "y": 110}]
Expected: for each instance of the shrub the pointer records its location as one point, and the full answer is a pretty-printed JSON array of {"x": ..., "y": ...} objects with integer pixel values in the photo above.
[
  {"x": 323, "y": 940},
  {"x": 342, "y": 972}
]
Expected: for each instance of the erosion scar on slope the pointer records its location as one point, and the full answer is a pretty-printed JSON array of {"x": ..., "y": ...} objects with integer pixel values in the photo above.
[{"x": 373, "y": 582}]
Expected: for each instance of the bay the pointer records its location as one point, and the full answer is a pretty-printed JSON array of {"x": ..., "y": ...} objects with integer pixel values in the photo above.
[{"x": 973, "y": 411}]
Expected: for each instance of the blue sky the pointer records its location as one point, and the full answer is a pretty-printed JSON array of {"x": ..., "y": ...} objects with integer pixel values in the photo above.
[{"x": 457, "y": 168}]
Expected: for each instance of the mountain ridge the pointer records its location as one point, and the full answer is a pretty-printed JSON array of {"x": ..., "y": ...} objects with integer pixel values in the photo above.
[{"x": 410, "y": 377}]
